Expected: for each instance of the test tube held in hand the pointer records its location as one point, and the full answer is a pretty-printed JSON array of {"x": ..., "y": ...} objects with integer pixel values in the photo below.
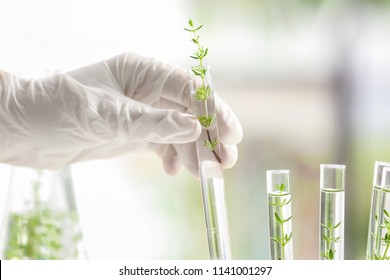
[{"x": 210, "y": 169}]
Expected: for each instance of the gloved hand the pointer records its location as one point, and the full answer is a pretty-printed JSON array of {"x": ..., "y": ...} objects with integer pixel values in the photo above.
[{"x": 126, "y": 103}]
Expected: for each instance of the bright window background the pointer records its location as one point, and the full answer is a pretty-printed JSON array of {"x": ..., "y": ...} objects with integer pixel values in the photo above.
[{"x": 307, "y": 78}]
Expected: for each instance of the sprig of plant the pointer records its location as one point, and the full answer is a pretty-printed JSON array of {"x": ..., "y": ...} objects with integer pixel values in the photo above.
[
  {"x": 201, "y": 52},
  {"x": 330, "y": 239},
  {"x": 283, "y": 238},
  {"x": 203, "y": 92},
  {"x": 38, "y": 234},
  {"x": 386, "y": 239},
  {"x": 280, "y": 187}
]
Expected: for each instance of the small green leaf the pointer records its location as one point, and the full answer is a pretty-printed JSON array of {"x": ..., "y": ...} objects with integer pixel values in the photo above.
[
  {"x": 336, "y": 226},
  {"x": 285, "y": 203},
  {"x": 386, "y": 213},
  {"x": 288, "y": 237},
  {"x": 211, "y": 144},
  {"x": 195, "y": 71},
  {"x": 206, "y": 121},
  {"x": 273, "y": 204},
  {"x": 280, "y": 187},
  {"x": 276, "y": 239},
  {"x": 335, "y": 240},
  {"x": 199, "y": 70},
  {"x": 192, "y": 27},
  {"x": 194, "y": 57},
  {"x": 199, "y": 27},
  {"x": 326, "y": 238},
  {"x": 277, "y": 218},
  {"x": 331, "y": 254},
  {"x": 202, "y": 93},
  {"x": 205, "y": 52}
]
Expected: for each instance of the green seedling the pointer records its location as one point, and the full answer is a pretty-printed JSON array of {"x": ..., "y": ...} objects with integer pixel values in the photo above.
[
  {"x": 329, "y": 239},
  {"x": 203, "y": 92},
  {"x": 384, "y": 241},
  {"x": 283, "y": 238},
  {"x": 38, "y": 234}
]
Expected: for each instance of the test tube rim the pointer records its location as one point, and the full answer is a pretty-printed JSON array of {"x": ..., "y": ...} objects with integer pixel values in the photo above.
[
  {"x": 283, "y": 172},
  {"x": 333, "y": 165},
  {"x": 383, "y": 179},
  {"x": 335, "y": 168},
  {"x": 375, "y": 178},
  {"x": 278, "y": 171}
]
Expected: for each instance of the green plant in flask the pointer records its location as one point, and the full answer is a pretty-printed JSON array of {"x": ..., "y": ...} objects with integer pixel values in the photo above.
[{"x": 41, "y": 221}]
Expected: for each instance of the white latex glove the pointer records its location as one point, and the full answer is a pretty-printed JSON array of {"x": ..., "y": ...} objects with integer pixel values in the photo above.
[{"x": 126, "y": 103}]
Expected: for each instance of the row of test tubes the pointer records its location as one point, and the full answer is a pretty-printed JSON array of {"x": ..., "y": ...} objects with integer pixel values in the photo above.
[
  {"x": 332, "y": 188},
  {"x": 332, "y": 213}
]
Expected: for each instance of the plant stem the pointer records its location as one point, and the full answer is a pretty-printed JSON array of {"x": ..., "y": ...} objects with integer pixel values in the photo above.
[
  {"x": 387, "y": 236},
  {"x": 385, "y": 252},
  {"x": 329, "y": 245},
  {"x": 329, "y": 235},
  {"x": 217, "y": 157},
  {"x": 283, "y": 238},
  {"x": 283, "y": 257}
]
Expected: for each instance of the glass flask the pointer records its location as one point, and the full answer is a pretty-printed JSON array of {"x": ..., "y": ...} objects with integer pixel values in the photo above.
[
  {"x": 279, "y": 214},
  {"x": 40, "y": 218},
  {"x": 332, "y": 189},
  {"x": 210, "y": 169}
]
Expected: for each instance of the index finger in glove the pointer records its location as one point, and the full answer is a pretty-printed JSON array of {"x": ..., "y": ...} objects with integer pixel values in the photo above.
[{"x": 150, "y": 81}]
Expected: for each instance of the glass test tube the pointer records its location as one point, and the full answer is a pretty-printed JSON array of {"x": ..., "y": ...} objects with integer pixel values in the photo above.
[
  {"x": 383, "y": 233},
  {"x": 377, "y": 200},
  {"x": 279, "y": 214},
  {"x": 210, "y": 169},
  {"x": 332, "y": 187}
]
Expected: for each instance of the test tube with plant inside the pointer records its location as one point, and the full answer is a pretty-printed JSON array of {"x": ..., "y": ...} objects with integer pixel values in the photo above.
[
  {"x": 381, "y": 251},
  {"x": 379, "y": 197},
  {"x": 279, "y": 214},
  {"x": 208, "y": 151},
  {"x": 332, "y": 189}
]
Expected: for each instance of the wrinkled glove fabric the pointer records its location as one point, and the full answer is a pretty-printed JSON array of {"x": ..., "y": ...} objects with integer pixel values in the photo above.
[{"x": 123, "y": 104}]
